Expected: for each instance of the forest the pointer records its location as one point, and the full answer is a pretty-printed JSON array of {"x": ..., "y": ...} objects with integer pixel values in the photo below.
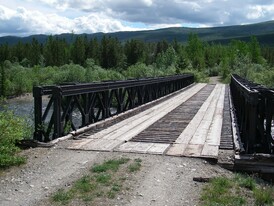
[{"x": 25, "y": 65}]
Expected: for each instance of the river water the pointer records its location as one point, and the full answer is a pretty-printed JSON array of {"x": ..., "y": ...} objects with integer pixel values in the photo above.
[{"x": 23, "y": 106}]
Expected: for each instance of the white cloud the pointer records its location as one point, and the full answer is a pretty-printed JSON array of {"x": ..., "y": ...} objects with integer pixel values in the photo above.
[
  {"x": 255, "y": 12},
  {"x": 58, "y": 16},
  {"x": 5, "y": 13},
  {"x": 27, "y": 22}
]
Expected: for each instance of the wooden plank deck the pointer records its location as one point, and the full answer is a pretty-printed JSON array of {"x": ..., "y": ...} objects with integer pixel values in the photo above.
[
  {"x": 200, "y": 138},
  {"x": 130, "y": 127}
]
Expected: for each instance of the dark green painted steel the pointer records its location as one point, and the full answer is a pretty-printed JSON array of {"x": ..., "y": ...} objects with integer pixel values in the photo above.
[
  {"x": 96, "y": 101},
  {"x": 254, "y": 108}
]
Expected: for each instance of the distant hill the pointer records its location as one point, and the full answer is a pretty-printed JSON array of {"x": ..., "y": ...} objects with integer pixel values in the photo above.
[{"x": 263, "y": 31}]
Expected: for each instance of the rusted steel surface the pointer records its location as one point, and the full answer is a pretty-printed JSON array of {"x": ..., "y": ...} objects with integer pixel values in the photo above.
[{"x": 168, "y": 128}]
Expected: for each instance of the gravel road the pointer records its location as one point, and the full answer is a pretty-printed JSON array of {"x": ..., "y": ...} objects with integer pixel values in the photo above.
[{"x": 163, "y": 180}]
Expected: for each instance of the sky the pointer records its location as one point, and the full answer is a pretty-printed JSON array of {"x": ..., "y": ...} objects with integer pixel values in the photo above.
[{"x": 27, "y": 17}]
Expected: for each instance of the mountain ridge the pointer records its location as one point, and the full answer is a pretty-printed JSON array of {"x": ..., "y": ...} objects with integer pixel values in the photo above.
[{"x": 264, "y": 32}]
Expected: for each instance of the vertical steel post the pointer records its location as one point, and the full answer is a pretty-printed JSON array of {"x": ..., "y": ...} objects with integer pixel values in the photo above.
[
  {"x": 38, "y": 124},
  {"x": 57, "y": 97}
]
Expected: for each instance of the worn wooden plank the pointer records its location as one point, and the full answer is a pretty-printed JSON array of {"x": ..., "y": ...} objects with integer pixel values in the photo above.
[
  {"x": 176, "y": 149},
  {"x": 126, "y": 147},
  {"x": 193, "y": 150},
  {"x": 77, "y": 144},
  {"x": 180, "y": 145},
  {"x": 210, "y": 151},
  {"x": 109, "y": 145},
  {"x": 145, "y": 117},
  {"x": 191, "y": 128},
  {"x": 215, "y": 131},
  {"x": 128, "y": 128},
  {"x": 158, "y": 148},
  {"x": 208, "y": 123},
  {"x": 93, "y": 145},
  {"x": 142, "y": 147}
]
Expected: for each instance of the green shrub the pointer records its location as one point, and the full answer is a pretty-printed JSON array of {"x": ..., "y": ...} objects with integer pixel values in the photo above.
[
  {"x": 12, "y": 129},
  {"x": 264, "y": 76},
  {"x": 74, "y": 72},
  {"x": 139, "y": 70},
  {"x": 198, "y": 76}
]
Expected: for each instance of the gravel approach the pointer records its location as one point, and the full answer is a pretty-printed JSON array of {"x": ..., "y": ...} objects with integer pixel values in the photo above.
[{"x": 162, "y": 180}]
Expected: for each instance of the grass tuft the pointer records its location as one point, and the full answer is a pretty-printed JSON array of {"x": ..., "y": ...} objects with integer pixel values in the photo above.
[
  {"x": 62, "y": 196},
  {"x": 246, "y": 182},
  {"x": 116, "y": 187},
  {"x": 104, "y": 181},
  {"x": 103, "y": 178},
  {"x": 135, "y": 166},
  {"x": 109, "y": 165},
  {"x": 216, "y": 193},
  {"x": 240, "y": 190},
  {"x": 264, "y": 196},
  {"x": 84, "y": 184}
]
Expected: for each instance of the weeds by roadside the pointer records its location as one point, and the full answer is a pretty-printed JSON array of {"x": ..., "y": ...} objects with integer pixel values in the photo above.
[
  {"x": 103, "y": 181},
  {"x": 12, "y": 129},
  {"x": 237, "y": 191}
]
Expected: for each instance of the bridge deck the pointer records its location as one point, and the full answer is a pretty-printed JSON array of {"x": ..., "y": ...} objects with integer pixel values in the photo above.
[{"x": 188, "y": 124}]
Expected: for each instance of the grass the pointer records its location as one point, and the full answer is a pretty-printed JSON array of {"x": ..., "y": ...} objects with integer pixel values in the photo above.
[
  {"x": 62, "y": 196},
  {"x": 237, "y": 191},
  {"x": 104, "y": 181},
  {"x": 13, "y": 129},
  {"x": 109, "y": 165},
  {"x": 135, "y": 166}
]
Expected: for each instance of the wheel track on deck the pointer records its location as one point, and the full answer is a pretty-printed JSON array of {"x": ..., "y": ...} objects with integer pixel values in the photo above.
[{"x": 168, "y": 128}]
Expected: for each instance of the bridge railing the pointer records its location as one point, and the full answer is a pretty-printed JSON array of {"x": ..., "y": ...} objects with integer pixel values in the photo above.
[
  {"x": 76, "y": 105},
  {"x": 254, "y": 108}
]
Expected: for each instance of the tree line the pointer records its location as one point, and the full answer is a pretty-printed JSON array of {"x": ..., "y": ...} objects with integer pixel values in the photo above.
[
  {"x": 86, "y": 60},
  {"x": 109, "y": 52}
]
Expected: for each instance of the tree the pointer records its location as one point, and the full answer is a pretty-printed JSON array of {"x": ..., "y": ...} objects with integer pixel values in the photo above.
[
  {"x": 5, "y": 52},
  {"x": 255, "y": 50},
  {"x": 19, "y": 51},
  {"x": 2, "y": 81},
  {"x": 93, "y": 50},
  {"x": 112, "y": 55},
  {"x": 56, "y": 52},
  {"x": 213, "y": 54},
  {"x": 35, "y": 52},
  {"x": 161, "y": 47},
  {"x": 134, "y": 51},
  {"x": 268, "y": 54},
  {"x": 195, "y": 51},
  {"x": 167, "y": 58},
  {"x": 78, "y": 51}
]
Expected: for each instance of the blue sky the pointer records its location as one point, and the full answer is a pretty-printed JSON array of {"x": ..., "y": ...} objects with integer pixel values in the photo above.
[{"x": 26, "y": 17}]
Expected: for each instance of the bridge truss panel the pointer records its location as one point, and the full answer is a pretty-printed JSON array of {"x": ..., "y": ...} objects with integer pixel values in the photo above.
[{"x": 77, "y": 105}]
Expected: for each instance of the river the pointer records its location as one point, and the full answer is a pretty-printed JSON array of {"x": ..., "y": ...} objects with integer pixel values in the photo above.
[{"x": 23, "y": 106}]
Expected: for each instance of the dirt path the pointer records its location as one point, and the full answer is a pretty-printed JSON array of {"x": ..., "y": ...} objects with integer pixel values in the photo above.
[
  {"x": 163, "y": 180},
  {"x": 215, "y": 80}
]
